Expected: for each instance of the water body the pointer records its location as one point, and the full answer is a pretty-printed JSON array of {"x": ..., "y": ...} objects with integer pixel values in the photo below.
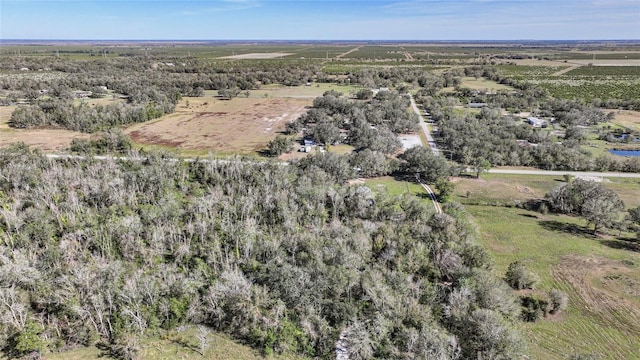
[{"x": 625, "y": 152}]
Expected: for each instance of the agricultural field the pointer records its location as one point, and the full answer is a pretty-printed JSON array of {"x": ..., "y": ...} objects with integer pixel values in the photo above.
[
  {"x": 312, "y": 91},
  {"x": 483, "y": 84},
  {"x": 377, "y": 52},
  {"x": 203, "y": 124}
]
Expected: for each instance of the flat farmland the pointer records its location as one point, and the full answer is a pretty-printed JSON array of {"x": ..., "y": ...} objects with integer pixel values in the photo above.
[
  {"x": 43, "y": 139},
  {"x": 202, "y": 124},
  {"x": 627, "y": 118},
  {"x": 483, "y": 84}
]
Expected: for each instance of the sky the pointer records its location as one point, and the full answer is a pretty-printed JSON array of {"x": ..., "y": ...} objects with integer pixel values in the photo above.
[{"x": 321, "y": 20}]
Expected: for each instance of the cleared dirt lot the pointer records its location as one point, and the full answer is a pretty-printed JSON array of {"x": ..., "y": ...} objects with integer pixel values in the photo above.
[
  {"x": 272, "y": 55},
  {"x": 43, "y": 139},
  {"x": 240, "y": 125},
  {"x": 627, "y": 118}
]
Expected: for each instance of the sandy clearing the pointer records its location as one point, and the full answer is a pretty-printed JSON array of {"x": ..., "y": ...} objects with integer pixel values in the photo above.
[
  {"x": 240, "y": 125},
  {"x": 272, "y": 55},
  {"x": 409, "y": 141},
  {"x": 627, "y": 118}
]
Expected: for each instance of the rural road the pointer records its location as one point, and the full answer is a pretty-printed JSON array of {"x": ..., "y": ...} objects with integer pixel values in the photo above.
[
  {"x": 424, "y": 127},
  {"x": 434, "y": 148},
  {"x": 432, "y": 195},
  {"x": 560, "y": 173},
  {"x": 348, "y": 52}
]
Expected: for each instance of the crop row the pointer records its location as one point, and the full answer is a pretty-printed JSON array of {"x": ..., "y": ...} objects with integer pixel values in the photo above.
[{"x": 605, "y": 71}]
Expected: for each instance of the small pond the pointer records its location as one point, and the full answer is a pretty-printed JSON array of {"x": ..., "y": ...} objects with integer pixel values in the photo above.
[{"x": 625, "y": 152}]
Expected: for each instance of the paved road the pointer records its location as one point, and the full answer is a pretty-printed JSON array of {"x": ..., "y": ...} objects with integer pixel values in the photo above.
[
  {"x": 560, "y": 173},
  {"x": 424, "y": 127}
]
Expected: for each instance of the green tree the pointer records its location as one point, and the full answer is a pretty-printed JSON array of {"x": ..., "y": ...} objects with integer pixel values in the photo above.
[
  {"x": 279, "y": 145},
  {"x": 634, "y": 216},
  {"x": 420, "y": 160},
  {"x": 445, "y": 189},
  {"x": 599, "y": 205},
  {"x": 481, "y": 166}
]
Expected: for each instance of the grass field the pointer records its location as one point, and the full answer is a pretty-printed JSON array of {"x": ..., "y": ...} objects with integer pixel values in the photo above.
[
  {"x": 493, "y": 189},
  {"x": 240, "y": 125},
  {"x": 600, "y": 275},
  {"x": 395, "y": 187}
]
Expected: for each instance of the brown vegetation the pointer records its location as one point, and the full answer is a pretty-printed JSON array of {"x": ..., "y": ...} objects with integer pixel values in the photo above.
[{"x": 241, "y": 125}]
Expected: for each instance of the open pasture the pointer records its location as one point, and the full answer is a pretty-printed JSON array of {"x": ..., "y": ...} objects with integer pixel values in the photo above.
[
  {"x": 600, "y": 275},
  {"x": 240, "y": 125},
  {"x": 501, "y": 189}
]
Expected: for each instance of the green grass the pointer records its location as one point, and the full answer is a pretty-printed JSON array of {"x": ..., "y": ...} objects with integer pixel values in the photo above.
[
  {"x": 503, "y": 189},
  {"x": 547, "y": 243},
  {"x": 395, "y": 187}
]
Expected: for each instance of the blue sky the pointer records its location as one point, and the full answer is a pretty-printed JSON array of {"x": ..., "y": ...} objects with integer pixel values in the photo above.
[{"x": 321, "y": 19}]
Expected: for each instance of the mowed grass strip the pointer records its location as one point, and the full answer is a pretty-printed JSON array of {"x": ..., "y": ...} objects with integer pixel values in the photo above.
[{"x": 395, "y": 187}]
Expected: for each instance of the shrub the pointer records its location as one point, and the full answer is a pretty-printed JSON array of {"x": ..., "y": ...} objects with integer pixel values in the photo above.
[
  {"x": 558, "y": 301},
  {"x": 279, "y": 145},
  {"x": 518, "y": 277},
  {"x": 26, "y": 342},
  {"x": 533, "y": 308}
]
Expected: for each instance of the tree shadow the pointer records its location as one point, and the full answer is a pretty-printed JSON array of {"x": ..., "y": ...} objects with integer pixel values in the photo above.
[
  {"x": 572, "y": 229},
  {"x": 622, "y": 244},
  {"x": 529, "y": 216},
  {"x": 400, "y": 176}
]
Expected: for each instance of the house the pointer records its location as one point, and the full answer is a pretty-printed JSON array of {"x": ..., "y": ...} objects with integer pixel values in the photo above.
[
  {"x": 307, "y": 142},
  {"x": 535, "y": 122}
]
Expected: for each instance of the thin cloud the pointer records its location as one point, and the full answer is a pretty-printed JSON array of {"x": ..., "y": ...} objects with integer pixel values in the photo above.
[{"x": 224, "y": 6}]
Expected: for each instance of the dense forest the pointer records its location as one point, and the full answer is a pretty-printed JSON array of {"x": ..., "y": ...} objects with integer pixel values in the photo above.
[{"x": 284, "y": 258}]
